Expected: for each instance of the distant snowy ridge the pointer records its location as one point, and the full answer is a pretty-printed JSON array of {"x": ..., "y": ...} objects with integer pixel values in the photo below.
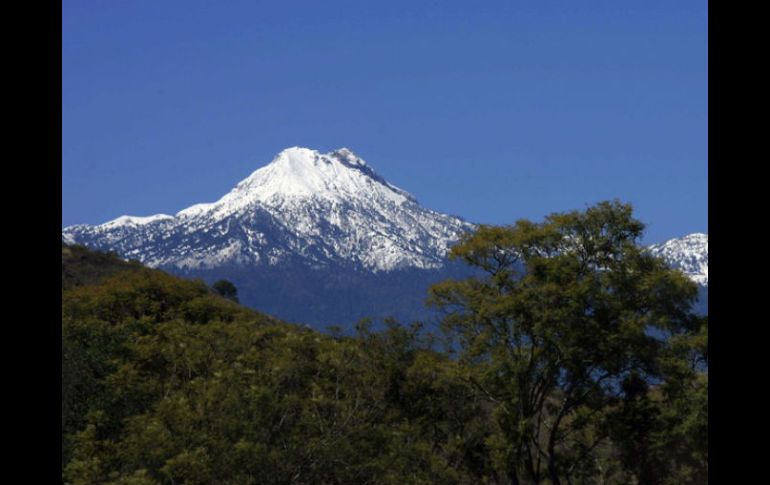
[
  {"x": 690, "y": 254},
  {"x": 316, "y": 208},
  {"x": 135, "y": 220}
]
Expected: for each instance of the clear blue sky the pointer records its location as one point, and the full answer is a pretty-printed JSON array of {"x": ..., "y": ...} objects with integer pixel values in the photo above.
[{"x": 489, "y": 110}]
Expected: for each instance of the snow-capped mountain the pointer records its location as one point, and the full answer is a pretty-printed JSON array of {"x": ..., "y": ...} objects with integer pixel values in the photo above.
[
  {"x": 690, "y": 254},
  {"x": 318, "y": 239},
  {"x": 304, "y": 206}
]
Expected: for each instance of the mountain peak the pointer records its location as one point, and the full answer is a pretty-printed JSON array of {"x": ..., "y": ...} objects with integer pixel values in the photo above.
[
  {"x": 344, "y": 151},
  {"x": 696, "y": 237},
  {"x": 299, "y": 156},
  {"x": 298, "y": 172},
  {"x": 321, "y": 208},
  {"x": 347, "y": 157},
  {"x": 296, "y": 154}
]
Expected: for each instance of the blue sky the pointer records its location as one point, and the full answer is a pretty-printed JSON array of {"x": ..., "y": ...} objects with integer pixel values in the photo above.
[{"x": 493, "y": 111}]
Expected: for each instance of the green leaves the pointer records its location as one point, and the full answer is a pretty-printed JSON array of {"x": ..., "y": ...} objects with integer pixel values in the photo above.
[
  {"x": 226, "y": 289},
  {"x": 561, "y": 320},
  {"x": 165, "y": 382},
  {"x": 549, "y": 376}
]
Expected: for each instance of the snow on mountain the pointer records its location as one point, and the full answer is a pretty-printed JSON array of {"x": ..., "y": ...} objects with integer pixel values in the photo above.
[
  {"x": 316, "y": 209},
  {"x": 133, "y": 221},
  {"x": 689, "y": 254},
  {"x": 304, "y": 205}
]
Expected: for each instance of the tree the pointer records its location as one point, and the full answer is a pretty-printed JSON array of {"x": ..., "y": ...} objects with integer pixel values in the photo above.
[
  {"x": 226, "y": 289},
  {"x": 557, "y": 331}
]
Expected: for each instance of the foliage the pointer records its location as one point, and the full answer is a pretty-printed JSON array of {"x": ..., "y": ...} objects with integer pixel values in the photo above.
[
  {"x": 164, "y": 381},
  {"x": 557, "y": 376},
  {"x": 80, "y": 266},
  {"x": 561, "y": 331},
  {"x": 226, "y": 289}
]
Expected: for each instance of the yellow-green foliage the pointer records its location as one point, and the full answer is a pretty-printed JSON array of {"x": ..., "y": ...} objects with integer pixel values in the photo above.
[{"x": 164, "y": 381}]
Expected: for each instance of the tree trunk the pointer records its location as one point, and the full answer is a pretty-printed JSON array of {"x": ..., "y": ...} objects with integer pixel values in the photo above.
[
  {"x": 513, "y": 477},
  {"x": 552, "y": 470},
  {"x": 534, "y": 472}
]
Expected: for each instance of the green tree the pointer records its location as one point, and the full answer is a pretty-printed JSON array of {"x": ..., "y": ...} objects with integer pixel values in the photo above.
[
  {"x": 661, "y": 432},
  {"x": 557, "y": 330},
  {"x": 226, "y": 289}
]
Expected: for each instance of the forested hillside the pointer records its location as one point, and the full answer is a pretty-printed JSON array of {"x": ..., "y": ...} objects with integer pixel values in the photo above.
[
  {"x": 552, "y": 376},
  {"x": 80, "y": 266}
]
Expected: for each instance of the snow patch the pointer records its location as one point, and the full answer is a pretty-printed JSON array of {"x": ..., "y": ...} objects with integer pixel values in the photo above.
[
  {"x": 690, "y": 254},
  {"x": 134, "y": 221}
]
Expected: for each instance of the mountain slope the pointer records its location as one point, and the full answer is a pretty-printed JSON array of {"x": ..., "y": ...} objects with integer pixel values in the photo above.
[
  {"x": 313, "y": 238},
  {"x": 690, "y": 254},
  {"x": 317, "y": 238},
  {"x": 318, "y": 209},
  {"x": 80, "y": 266}
]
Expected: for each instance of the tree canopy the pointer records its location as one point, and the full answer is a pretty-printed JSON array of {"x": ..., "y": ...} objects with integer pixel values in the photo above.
[
  {"x": 226, "y": 289},
  {"x": 573, "y": 358},
  {"x": 572, "y": 318}
]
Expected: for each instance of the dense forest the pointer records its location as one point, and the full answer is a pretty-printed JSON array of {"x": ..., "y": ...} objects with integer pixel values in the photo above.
[{"x": 575, "y": 359}]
